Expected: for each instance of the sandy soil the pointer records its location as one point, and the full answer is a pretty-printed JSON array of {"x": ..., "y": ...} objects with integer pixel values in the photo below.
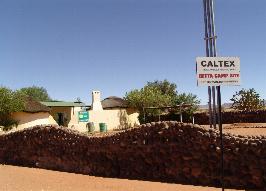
[
  {"x": 241, "y": 128},
  {"x": 14, "y": 178},
  {"x": 247, "y": 131},
  {"x": 245, "y": 128},
  {"x": 245, "y": 125}
]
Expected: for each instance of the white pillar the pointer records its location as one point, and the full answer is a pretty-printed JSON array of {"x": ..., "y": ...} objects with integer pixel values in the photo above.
[{"x": 96, "y": 101}]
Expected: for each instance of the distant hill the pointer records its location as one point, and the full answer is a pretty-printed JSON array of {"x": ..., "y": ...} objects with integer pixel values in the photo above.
[{"x": 225, "y": 105}]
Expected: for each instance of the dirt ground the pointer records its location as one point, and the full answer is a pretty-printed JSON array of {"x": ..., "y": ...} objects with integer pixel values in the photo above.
[
  {"x": 247, "y": 131},
  {"x": 254, "y": 129},
  {"x": 13, "y": 178}
]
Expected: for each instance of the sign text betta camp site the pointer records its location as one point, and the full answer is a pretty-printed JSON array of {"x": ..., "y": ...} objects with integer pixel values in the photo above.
[{"x": 216, "y": 71}]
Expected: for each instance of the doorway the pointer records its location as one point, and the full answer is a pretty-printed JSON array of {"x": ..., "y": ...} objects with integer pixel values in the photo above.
[{"x": 60, "y": 120}]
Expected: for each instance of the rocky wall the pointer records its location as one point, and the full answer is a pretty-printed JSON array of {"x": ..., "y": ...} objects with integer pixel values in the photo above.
[{"x": 163, "y": 151}]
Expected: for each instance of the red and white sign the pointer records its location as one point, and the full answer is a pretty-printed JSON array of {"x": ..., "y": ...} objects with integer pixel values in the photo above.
[{"x": 216, "y": 71}]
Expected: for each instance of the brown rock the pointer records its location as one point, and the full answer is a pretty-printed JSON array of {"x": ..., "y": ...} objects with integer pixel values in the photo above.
[{"x": 196, "y": 172}]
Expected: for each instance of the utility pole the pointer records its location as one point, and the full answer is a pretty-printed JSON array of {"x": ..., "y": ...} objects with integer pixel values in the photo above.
[
  {"x": 207, "y": 54},
  {"x": 210, "y": 40},
  {"x": 180, "y": 110},
  {"x": 211, "y": 51}
]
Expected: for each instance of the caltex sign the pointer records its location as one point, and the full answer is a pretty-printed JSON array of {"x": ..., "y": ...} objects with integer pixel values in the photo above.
[{"x": 216, "y": 71}]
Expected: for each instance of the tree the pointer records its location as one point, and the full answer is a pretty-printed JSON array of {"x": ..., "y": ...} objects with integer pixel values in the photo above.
[
  {"x": 190, "y": 99},
  {"x": 159, "y": 94},
  {"x": 10, "y": 101},
  {"x": 37, "y": 93},
  {"x": 166, "y": 87},
  {"x": 246, "y": 100},
  {"x": 147, "y": 96}
]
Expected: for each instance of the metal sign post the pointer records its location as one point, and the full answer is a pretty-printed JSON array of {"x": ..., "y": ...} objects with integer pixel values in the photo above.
[
  {"x": 214, "y": 72},
  {"x": 221, "y": 134},
  {"x": 208, "y": 54},
  {"x": 217, "y": 71},
  {"x": 210, "y": 38}
]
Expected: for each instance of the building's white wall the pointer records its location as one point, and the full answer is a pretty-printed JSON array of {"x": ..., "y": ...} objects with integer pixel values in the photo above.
[
  {"x": 114, "y": 118},
  {"x": 133, "y": 117},
  {"x": 74, "y": 121},
  {"x": 31, "y": 119},
  {"x": 52, "y": 121}
]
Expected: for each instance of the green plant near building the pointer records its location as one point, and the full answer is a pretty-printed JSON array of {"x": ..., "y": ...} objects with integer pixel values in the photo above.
[{"x": 10, "y": 101}]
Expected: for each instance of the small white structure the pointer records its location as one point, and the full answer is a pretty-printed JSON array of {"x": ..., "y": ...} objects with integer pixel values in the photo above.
[{"x": 96, "y": 101}]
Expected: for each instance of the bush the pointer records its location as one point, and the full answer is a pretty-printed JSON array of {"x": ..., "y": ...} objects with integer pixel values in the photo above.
[
  {"x": 247, "y": 100},
  {"x": 8, "y": 123},
  {"x": 10, "y": 102}
]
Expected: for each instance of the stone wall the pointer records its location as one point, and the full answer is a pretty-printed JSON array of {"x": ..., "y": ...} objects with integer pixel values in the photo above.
[{"x": 163, "y": 151}]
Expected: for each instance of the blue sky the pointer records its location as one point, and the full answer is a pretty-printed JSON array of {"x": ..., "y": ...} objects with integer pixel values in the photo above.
[{"x": 72, "y": 47}]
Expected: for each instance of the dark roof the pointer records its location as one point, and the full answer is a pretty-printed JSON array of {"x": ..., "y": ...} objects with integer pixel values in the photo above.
[
  {"x": 33, "y": 106},
  {"x": 114, "y": 102}
]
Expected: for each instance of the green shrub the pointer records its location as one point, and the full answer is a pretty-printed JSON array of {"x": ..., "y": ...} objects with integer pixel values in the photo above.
[
  {"x": 10, "y": 102},
  {"x": 8, "y": 123}
]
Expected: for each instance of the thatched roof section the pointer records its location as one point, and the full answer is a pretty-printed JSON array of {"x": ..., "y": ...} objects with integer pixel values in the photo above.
[
  {"x": 33, "y": 106},
  {"x": 114, "y": 102}
]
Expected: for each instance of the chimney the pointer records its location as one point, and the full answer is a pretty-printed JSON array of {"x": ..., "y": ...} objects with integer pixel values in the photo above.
[{"x": 96, "y": 101}]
